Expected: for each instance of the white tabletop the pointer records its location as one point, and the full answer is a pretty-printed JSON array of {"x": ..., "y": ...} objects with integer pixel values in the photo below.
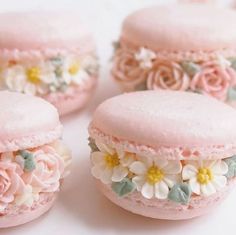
[{"x": 81, "y": 209}]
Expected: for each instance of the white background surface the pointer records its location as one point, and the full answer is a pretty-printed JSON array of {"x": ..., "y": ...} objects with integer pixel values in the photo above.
[{"x": 81, "y": 209}]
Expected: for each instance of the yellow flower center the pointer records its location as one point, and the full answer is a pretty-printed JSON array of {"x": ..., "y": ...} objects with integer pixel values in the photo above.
[
  {"x": 154, "y": 175},
  {"x": 74, "y": 69},
  {"x": 33, "y": 75},
  {"x": 112, "y": 160},
  {"x": 204, "y": 175}
]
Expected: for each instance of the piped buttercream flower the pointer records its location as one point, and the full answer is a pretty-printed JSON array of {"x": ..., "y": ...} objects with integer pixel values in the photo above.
[
  {"x": 167, "y": 75},
  {"x": 205, "y": 177},
  {"x": 110, "y": 165},
  {"x": 145, "y": 57},
  {"x": 154, "y": 178}
]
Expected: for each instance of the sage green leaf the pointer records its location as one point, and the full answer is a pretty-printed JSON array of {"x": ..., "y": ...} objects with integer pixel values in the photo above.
[
  {"x": 190, "y": 68},
  {"x": 180, "y": 193},
  {"x": 29, "y": 163},
  {"x": 233, "y": 62},
  {"x": 92, "y": 145},
  {"x": 232, "y": 94},
  {"x": 124, "y": 187},
  {"x": 141, "y": 87},
  {"x": 231, "y": 162}
]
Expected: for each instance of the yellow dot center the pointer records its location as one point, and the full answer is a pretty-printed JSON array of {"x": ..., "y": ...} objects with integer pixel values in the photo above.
[
  {"x": 33, "y": 75},
  {"x": 74, "y": 69},
  {"x": 154, "y": 175},
  {"x": 112, "y": 160},
  {"x": 204, "y": 175}
]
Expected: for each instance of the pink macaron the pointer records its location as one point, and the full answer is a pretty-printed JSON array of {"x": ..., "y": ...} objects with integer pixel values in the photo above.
[
  {"x": 33, "y": 159},
  {"x": 166, "y": 155},
  {"x": 48, "y": 54},
  {"x": 185, "y": 47}
]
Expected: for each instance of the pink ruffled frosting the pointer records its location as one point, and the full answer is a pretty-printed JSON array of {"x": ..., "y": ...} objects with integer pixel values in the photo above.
[{"x": 20, "y": 186}]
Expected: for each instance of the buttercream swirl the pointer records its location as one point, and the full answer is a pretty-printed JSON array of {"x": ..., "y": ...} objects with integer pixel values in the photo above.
[{"x": 214, "y": 77}]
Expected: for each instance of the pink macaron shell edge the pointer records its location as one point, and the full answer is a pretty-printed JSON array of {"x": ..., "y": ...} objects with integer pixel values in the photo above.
[
  {"x": 185, "y": 27},
  {"x": 165, "y": 209},
  {"x": 42, "y": 30},
  {"x": 26, "y": 122},
  {"x": 11, "y": 221},
  {"x": 175, "y": 125}
]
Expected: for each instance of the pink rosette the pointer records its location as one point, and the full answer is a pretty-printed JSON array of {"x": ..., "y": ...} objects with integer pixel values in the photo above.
[
  {"x": 49, "y": 169},
  {"x": 167, "y": 75},
  {"x": 127, "y": 70},
  {"x": 214, "y": 80},
  {"x": 11, "y": 183}
]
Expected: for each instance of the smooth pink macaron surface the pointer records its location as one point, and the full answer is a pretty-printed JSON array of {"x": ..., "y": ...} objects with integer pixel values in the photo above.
[
  {"x": 185, "y": 47},
  {"x": 44, "y": 54},
  {"x": 166, "y": 154},
  {"x": 33, "y": 159}
]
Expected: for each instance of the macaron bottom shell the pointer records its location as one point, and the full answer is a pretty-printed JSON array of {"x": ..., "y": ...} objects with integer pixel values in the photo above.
[
  {"x": 165, "y": 209},
  {"x": 37, "y": 210}
]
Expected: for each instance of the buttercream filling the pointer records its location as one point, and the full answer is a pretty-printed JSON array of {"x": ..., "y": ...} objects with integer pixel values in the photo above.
[
  {"x": 27, "y": 174},
  {"x": 156, "y": 177},
  {"x": 142, "y": 69},
  {"x": 49, "y": 75}
]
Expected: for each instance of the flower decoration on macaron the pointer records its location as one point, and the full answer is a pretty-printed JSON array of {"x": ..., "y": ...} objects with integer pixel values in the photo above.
[
  {"x": 110, "y": 165},
  {"x": 205, "y": 177},
  {"x": 154, "y": 177}
]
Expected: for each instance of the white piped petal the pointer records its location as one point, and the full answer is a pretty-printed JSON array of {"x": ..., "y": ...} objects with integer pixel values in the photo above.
[
  {"x": 147, "y": 190},
  {"x": 219, "y": 181},
  {"x": 195, "y": 186},
  {"x": 173, "y": 167},
  {"x": 138, "y": 168},
  {"x": 139, "y": 181},
  {"x": 208, "y": 189},
  {"x": 119, "y": 173},
  {"x": 161, "y": 190},
  {"x": 189, "y": 172}
]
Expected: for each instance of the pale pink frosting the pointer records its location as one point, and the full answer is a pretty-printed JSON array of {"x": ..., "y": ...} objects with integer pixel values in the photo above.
[
  {"x": 173, "y": 121},
  {"x": 167, "y": 75},
  {"x": 26, "y": 122},
  {"x": 49, "y": 169},
  {"x": 10, "y": 181},
  {"x": 214, "y": 80},
  {"x": 126, "y": 69}
]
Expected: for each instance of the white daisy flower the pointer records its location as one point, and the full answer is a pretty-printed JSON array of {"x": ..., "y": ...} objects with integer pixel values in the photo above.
[
  {"x": 154, "y": 177},
  {"x": 145, "y": 57},
  {"x": 110, "y": 165},
  {"x": 205, "y": 177}
]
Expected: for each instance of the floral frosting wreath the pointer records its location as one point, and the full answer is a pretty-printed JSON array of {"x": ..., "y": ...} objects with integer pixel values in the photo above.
[
  {"x": 28, "y": 175},
  {"x": 159, "y": 178},
  {"x": 55, "y": 74},
  {"x": 141, "y": 69}
]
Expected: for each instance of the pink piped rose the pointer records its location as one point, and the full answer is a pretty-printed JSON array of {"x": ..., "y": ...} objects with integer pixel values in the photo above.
[
  {"x": 214, "y": 80},
  {"x": 167, "y": 75},
  {"x": 127, "y": 70},
  {"x": 48, "y": 172},
  {"x": 10, "y": 180}
]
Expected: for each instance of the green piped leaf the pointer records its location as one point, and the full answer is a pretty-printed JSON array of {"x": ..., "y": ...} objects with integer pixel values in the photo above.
[
  {"x": 124, "y": 187},
  {"x": 232, "y": 94},
  {"x": 231, "y": 162},
  {"x": 190, "y": 68},
  {"x": 92, "y": 145},
  {"x": 29, "y": 163},
  {"x": 233, "y": 62},
  {"x": 180, "y": 193},
  {"x": 141, "y": 87}
]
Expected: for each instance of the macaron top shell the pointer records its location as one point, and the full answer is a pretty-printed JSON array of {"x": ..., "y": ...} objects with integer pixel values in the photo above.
[
  {"x": 186, "y": 27},
  {"x": 38, "y": 30},
  {"x": 168, "y": 119},
  {"x": 26, "y": 122}
]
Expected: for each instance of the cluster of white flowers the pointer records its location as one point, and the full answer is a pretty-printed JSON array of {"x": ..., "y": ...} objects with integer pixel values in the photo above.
[
  {"x": 46, "y": 76},
  {"x": 155, "y": 176}
]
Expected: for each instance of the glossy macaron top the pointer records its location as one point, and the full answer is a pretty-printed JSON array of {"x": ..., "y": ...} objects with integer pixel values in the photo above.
[
  {"x": 26, "y": 122},
  {"x": 169, "y": 120},
  {"x": 41, "y": 30},
  {"x": 186, "y": 27}
]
